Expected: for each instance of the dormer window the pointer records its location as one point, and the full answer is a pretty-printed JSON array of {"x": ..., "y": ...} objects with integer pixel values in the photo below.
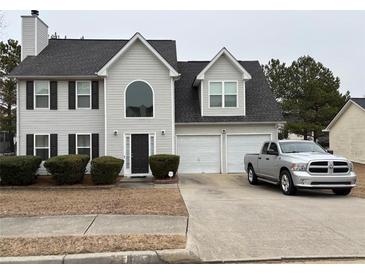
[{"x": 223, "y": 94}]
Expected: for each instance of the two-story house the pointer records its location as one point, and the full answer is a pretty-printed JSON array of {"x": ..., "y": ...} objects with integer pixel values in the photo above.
[{"x": 132, "y": 98}]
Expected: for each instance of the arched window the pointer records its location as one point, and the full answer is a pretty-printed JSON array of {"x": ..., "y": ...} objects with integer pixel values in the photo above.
[{"x": 139, "y": 100}]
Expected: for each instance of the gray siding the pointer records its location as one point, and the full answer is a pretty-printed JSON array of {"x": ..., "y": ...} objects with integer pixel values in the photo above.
[
  {"x": 28, "y": 37},
  {"x": 42, "y": 36},
  {"x": 230, "y": 129},
  {"x": 223, "y": 69},
  {"x": 62, "y": 121},
  {"x": 138, "y": 63}
]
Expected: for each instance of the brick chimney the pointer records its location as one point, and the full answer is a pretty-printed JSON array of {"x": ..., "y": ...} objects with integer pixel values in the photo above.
[{"x": 34, "y": 35}]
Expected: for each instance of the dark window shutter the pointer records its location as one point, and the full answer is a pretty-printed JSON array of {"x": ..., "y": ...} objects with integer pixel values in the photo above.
[
  {"x": 30, "y": 95},
  {"x": 54, "y": 145},
  {"x": 30, "y": 144},
  {"x": 95, "y": 145},
  {"x": 95, "y": 94},
  {"x": 53, "y": 95},
  {"x": 72, "y": 144},
  {"x": 71, "y": 95}
]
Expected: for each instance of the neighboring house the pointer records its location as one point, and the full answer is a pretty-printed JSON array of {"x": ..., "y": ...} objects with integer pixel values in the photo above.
[
  {"x": 132, "y": 98},
  {"x": 347, "y": 131}
]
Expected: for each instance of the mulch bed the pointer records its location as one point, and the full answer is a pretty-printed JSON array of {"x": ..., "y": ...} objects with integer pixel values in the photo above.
[
  {"x": 53, "y": 201},
  {"x": 359, "y": 191},
  {"x": 87, "y": 244}
]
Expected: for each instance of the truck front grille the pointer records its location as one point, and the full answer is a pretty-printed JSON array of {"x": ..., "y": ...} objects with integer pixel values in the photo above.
[{"x": 328, "y": 167}]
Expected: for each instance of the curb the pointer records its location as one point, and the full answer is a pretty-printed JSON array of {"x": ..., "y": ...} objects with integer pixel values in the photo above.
[{"x": 126, "y": 257}]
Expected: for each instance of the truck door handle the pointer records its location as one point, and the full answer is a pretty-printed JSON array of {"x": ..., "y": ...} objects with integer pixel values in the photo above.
[
  {"x": 259, "y": 158},
  {"x": 267, "y": 158}
]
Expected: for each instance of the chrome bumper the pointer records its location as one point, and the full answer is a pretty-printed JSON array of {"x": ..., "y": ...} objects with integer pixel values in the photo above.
[{"x": 304, "y": 179}]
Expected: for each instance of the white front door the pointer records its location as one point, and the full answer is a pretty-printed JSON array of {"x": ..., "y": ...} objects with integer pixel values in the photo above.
[
  {"x": 199, "y": 153},
  {"x": 239, "y": 145}
]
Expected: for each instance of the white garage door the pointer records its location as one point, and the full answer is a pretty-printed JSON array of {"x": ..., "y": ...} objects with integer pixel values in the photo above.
[
  {"x": 199, "y": 154},
  {"x": 239, "y": 145}
]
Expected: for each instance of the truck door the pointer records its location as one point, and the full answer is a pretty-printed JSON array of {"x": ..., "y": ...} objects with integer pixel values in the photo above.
[
  {"x": 272, "y": 163},
  {"x": 261, "y": 160}
]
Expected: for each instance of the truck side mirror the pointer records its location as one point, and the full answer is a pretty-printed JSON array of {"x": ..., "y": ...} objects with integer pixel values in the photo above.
[
  {"x": 272, "y": 152},
  {"x": 330, "y": 151}
]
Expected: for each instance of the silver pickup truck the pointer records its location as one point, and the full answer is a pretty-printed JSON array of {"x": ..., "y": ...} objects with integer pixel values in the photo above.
[{"x": 300, "y": 164}]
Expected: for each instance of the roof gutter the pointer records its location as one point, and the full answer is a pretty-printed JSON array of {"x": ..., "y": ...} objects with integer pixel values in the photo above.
[{"x": 229, "y": 123}]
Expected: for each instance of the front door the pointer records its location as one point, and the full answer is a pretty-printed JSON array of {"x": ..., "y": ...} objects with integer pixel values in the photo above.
[{"x": 139, "y": 153}]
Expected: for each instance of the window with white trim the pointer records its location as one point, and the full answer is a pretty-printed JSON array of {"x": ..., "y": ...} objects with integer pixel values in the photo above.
[
  {"x": 83, "y": 94},
  {"x": 41, "y": 146},
  {"x": 41, "y": 94},
  {"x": 83, "y": 142},
  {"x": 223, "y": 94}
]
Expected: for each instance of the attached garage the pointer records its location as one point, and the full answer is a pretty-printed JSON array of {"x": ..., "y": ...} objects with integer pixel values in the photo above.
[
  {"x": 238, "y": 145},
  {"x": 199, "y": 153}
]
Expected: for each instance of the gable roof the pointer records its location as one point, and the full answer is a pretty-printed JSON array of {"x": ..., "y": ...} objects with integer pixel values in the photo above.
[
  {"x": 261, "y": 105},
  {"x": 225, "y": 52},
  {"x": 139, "y": 37},
  {"x": 359, "y": 102},
  {"x": 83, "y": 57}
]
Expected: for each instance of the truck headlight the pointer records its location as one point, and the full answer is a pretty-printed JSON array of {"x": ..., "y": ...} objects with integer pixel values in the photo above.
[
  {"x": 350, "y": 166},
  {"x": 298, "y": 167}
]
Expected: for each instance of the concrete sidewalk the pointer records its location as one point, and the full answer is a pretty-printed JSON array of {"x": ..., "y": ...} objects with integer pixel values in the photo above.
[{"x": 91, "y": 225}]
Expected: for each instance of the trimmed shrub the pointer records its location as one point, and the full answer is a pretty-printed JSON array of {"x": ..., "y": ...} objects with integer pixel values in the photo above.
[
  {"x": 18, "y": 170},
  {"x": 161, "y": 164},
  {"x": 67, "y": 169},
  {"x": 105, "y": 170}
]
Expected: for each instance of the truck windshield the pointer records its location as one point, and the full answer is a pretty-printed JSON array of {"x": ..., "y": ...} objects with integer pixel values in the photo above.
[{"x": 298, "y": 147}]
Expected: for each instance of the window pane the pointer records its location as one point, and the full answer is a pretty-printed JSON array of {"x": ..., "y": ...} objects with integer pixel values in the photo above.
[
  {"x": 83, "y": 140},
  {"x": 152, "y": 144},
  {"x": 41, "y": 140},
  {"x": 215, "y": 88},
  {"x": 41, "y": 101},
  {"x": 230, "y": 88},
  {"x": 83, "y": 88},
  {"x": 215, "y": 100},
  {"x": 85, "y": 151},
  {"x": 139, "y": 100},
  {"x": 42, "y": 152},
  {"x": 230, "y": 100},
  {"x": 41, "y": 87},
  {"x": 83, "y": 101}
]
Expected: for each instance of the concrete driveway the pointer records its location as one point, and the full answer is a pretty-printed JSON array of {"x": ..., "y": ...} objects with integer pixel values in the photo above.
[{"x": 231, "y": 220}]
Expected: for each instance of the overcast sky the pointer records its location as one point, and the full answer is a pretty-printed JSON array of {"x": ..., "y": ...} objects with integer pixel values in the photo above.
[{"x": 335, "y": 38}]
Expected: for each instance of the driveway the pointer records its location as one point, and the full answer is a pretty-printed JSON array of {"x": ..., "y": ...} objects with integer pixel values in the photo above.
[{"x": 231, "y": 220}]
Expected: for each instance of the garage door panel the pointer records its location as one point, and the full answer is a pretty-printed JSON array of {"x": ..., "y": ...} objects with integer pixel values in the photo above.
[
  {"x": 239, "y": 145},
  {"x": 199, "y": 154}
]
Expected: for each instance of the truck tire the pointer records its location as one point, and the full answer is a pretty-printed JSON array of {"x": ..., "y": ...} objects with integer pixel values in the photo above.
[
  {"x": 286, "y": 183},
  {"x": 251, "y": 175},
  {"x": 341, "y": 191}
]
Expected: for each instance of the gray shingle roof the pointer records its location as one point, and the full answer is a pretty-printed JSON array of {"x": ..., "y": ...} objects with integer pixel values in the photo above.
[
  {"x": 65, "y": 57},
  {"x": 260, "y": 102},
  {"x": 359, "y": 101}
]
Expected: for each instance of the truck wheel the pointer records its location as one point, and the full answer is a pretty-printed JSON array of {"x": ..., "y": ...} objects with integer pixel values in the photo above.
[
  {"x": 341, "y": 191},
  {"x": 251, "y": 175},
  {"x": 286, "y": 183}
]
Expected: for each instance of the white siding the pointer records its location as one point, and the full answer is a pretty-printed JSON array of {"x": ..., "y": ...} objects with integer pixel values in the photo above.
[
  {"x": 223, "y": 69},
  {"x": 138, "y": 63},
  {"x": 62, "y": 121},
  {"x": 28, "y": 37},
  {"x": 230, "y": 129},
  {"x": 42, "y": 36}
]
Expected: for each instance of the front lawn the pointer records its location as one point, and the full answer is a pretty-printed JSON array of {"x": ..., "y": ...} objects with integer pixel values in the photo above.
[
  {"x": 10, "y": 246},
  {"x": 116, "y": 200}
]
